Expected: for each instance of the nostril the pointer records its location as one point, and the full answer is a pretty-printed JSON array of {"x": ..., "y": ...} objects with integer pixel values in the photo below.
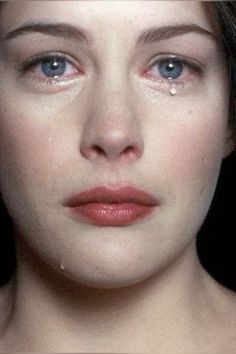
[
  {"x": 112, "y": 146},
  {"x": 128, "y": 150},
  {"x": 99, "y": 150}
]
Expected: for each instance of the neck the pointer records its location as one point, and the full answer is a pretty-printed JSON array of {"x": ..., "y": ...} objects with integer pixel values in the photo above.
[{"x": 53, "y": 314}]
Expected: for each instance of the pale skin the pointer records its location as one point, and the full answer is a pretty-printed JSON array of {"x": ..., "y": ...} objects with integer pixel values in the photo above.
[{"x": 139, "y": 288}]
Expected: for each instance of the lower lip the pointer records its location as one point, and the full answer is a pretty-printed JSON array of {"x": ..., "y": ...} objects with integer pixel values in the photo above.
[{"x": 111, "y": 214}]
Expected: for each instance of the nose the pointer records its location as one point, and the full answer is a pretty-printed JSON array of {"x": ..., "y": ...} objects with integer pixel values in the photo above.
[{"x": 112, "y": 131}]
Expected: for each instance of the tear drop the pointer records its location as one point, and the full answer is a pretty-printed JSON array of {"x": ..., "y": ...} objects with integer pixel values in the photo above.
[
  {"x": 173, "y": 90},
  {"x": 62, "y": 266}
]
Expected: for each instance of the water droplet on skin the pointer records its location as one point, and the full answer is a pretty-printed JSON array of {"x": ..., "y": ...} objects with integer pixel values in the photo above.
[
  {"x": 173, "y": 90},
  {"x": 62, "y": 266}
]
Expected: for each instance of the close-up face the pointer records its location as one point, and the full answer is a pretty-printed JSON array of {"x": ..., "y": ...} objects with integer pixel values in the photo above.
[{"x": 122, "y": 95}]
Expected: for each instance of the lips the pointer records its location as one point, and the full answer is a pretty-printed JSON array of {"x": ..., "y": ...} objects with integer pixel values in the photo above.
[{"x": 105, "y": 206}]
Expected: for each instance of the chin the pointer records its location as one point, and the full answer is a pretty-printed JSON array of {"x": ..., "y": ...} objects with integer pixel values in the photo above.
[
  {"x": 97, "y": 281},
  {"x": 107, "y": 276}
]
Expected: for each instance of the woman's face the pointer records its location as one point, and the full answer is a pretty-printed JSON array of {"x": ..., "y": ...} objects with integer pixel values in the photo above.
[{"x": 118, "y": 109}]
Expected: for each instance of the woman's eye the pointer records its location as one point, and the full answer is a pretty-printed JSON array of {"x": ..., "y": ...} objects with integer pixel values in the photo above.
[
  {"x": 53, "y": 67},
  {"x": 164, "y": 72},
  {"x": 170, "y": 69},
  {"x": 50, "y": 68}
]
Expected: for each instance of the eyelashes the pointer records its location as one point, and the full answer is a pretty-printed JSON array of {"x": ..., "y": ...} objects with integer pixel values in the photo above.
[
  {"x": 51, "y": 68},
  {"x": 173, "y": 67},
  {"x": 164, "y": 70},
  {"x": 169, "y": 70}
]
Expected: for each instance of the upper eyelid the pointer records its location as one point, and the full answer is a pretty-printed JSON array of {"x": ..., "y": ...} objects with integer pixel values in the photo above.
[
  {"x": 178, "y": 57},
  {"x": 73, "y": 58},
  {"x": 197, "y": 67},
  {"x": 39, "y": 57}
]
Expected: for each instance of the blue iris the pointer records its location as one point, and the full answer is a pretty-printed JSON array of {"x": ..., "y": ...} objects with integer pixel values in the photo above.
[
  {"x": 170, "y": 69},
  {"x": 53, "y": 67}
]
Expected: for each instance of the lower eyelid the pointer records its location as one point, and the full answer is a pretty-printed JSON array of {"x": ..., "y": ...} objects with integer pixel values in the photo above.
[
  {"x": 35, "y": 85},
  {"x": 190, "y": 65},
  {"x": 184, "y": 86},
  {"x": 36, "y": 76},
  {"x": 185, "y": 68},
  {"x": 37, "y": 66}
]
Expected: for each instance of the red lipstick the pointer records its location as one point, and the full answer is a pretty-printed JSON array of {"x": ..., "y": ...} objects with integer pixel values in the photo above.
[{"x": 104, "y": 206}]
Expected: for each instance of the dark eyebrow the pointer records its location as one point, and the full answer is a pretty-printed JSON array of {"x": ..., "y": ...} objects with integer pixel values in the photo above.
[
  {"x": 67, "y": 31},
  {"x": 156, "y": 34},
  {"x": 64, "y": 30}
]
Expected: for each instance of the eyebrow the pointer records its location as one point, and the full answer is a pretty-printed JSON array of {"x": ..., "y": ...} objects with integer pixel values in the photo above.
[
  {"x": 63, "y": 30},
  {"x": 157, "y": 34},
  {"x": 67, "y": 31}
]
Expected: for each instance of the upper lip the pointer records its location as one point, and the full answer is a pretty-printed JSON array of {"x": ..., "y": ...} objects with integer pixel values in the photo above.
[{"x": 104, "y": 194}]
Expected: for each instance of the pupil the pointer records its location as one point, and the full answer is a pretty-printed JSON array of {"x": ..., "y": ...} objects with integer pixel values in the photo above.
[
  {"x": 53, "y": 67},
  {"x": 170, "y": 69}
]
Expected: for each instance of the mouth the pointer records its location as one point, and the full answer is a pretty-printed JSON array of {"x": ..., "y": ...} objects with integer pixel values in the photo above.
[{"x": 103, "y": 206}]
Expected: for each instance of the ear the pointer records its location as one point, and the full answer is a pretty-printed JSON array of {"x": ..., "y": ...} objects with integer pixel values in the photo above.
[{"x": 230, "y": 142}]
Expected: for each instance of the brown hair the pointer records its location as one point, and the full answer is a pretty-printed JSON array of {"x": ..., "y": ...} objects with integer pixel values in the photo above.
[{"x": 226, "y": 17}]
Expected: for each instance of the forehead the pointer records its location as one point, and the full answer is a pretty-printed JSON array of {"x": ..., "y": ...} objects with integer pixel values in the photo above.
[{"x": 99, "y": 15}]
